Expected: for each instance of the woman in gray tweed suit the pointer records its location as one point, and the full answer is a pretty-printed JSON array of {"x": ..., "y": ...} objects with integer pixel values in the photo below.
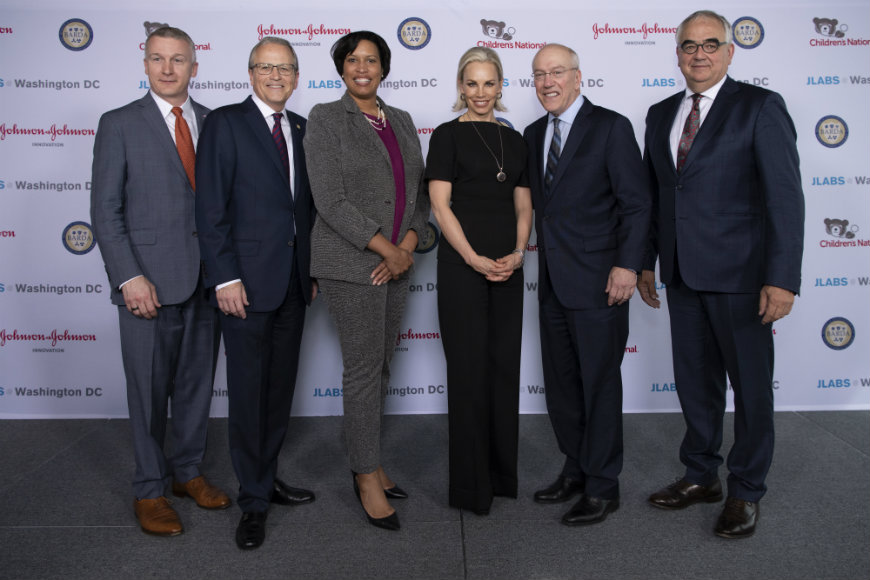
[{"x": 365, "y": 165}]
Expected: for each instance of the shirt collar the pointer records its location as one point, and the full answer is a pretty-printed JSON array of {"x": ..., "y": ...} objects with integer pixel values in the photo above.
[
  {"x": 570, "y": 113},
  {"x": 166, "y": 107},
  {"x": 265, "y": 109},
  {"x": 709, "y": 93}
]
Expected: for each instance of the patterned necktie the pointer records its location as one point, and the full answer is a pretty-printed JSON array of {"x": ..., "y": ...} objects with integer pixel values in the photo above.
[
  {"x": 184, "y": 143},
  {"x": 693, "y": 121},
  {"x": 553, "y": 154},
  {"x": 280, "y": 143}
]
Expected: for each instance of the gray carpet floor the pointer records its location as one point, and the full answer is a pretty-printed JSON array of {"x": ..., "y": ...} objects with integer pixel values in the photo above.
[{"x": 66, "y": 510}]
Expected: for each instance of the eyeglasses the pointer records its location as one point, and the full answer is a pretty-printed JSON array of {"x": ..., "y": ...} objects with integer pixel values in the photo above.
[
  {"x": 709, "y": 46},
  {"x": 540, "y": 75},
  {"x": 264, "y": 68}
]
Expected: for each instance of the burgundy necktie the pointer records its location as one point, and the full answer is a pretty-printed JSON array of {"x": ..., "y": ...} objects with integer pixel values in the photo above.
[
  {"x": 693, "y": 121},
  {"x": 184, "y": 143},
  {"x": 280, "y": 143}
]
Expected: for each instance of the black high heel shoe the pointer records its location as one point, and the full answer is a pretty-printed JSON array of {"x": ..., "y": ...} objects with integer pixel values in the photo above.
[
  {"x": 391, "y": 522},
  {"x": 396, "y": 492}
]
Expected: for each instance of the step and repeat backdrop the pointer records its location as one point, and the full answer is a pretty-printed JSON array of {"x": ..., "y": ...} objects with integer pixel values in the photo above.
[{"x": 63, "y": 64}]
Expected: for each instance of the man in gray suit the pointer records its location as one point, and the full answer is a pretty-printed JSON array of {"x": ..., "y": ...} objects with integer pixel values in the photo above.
[{"x": 142, "y": 209}]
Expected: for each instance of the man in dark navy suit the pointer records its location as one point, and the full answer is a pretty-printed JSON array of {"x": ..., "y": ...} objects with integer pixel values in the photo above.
[
  {"x": 728, "y": 232},
  {"x": 592, "y": 212},
  {"x": 254, "y": 215}
]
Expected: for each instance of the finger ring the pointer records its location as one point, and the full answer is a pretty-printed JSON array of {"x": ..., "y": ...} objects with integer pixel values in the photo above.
[{"x": 135, "y": 308}]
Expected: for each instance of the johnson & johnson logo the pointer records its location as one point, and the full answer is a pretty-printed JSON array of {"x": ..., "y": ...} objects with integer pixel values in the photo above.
[
  {"x": 645, "y": 30},
  {"x": 310, "y": 31},
  {"x": 55, "y": 337},
  {"x": 54, "y": 131},
  {"x": 414, "y": 335}
]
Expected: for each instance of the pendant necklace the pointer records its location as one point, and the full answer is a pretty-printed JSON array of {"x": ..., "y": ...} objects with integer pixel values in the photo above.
[
  {"x": 378, "y": 122},
  {"x": 501, "y": 175}
]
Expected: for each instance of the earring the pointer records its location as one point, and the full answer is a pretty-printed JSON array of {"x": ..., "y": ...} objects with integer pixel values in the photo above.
[
  {"x": 499, "y": 96},
  {"x": 461, "y": 96}
]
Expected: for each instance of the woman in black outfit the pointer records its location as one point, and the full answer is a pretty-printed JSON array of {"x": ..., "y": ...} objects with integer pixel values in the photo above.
[{"x": 480, "y": 197}]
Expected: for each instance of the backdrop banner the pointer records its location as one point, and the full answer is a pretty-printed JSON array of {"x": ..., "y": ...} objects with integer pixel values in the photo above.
[{"x": 62, "y": 66}]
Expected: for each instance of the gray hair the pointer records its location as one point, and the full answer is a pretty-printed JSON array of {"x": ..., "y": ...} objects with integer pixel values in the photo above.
[
  {"x": 272, "y": 40},
  {"x": 478, "y": 54},
  {"x": 729, "y": 37},
  {"x": 575, "y": 60}
]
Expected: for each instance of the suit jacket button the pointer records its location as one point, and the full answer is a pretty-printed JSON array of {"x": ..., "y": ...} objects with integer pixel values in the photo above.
[{"x": 291, "y": 243}]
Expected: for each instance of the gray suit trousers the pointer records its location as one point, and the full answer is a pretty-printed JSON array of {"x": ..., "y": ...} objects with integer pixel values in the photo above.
[{"x": 169, "y": 358}]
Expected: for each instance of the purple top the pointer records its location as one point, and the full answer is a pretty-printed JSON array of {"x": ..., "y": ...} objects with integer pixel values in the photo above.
[{"x": 389, "y": 139}]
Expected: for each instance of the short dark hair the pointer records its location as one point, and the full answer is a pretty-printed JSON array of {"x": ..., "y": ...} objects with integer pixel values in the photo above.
[
  {"x": 171, "y": 32},
  {"x": 348, "y": 43}
]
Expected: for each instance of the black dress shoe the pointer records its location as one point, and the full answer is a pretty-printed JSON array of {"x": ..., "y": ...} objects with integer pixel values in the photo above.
[
  {"x": 563, "y": 489},
  {"x": 738, "y": 519},
  {"x": 396, "y": 492},
  {"x": 590, "y": 510},
  {"x": 391, "y": 522},
  {"x": 251, "y": 531},
  {"x": 681, "y": 494},
  {"x": 283, "y": 494}
]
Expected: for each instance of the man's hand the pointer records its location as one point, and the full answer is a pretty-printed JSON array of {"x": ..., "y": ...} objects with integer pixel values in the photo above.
[
  {"x": 646, "y": 285},
  {"x": 774, "y": 303},
  {"x": 140, "y": 296},
  {"x": 620, "y": 285},
  {"x": 232, "y": 300}
]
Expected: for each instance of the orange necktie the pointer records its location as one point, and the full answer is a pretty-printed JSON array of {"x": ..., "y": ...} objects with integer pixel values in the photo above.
[{"x": 184, "y": 142}]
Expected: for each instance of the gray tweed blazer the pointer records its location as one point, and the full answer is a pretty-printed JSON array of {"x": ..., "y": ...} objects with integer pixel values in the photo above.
[{"x": 353, "y": 188}]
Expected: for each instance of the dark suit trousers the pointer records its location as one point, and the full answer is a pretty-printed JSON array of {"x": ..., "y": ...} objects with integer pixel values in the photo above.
[
  {"x": 481, "y": 331},
  {"x": 262, "y": 359},
  {"x": 582, "y": 352},
  {"x": 170, "y": 357},
  {"x": 712, "y": 333}
]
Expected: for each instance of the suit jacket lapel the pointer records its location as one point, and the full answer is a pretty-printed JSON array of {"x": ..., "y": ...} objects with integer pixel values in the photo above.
[
  {"x": 536, "y": 152},
  {"x": 578, "y": 130},
  {"x": 153, "y": 118},
  {"x": 362, "y": 128},
  {"x": 298, "y": 153},
  {"x": 666, "y": 123},
  {"x": 260, "y": 128},
  {"x": 715, "y": 117}
]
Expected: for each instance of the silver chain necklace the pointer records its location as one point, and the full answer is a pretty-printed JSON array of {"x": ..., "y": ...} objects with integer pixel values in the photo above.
[{"x": 501, "y": 175}]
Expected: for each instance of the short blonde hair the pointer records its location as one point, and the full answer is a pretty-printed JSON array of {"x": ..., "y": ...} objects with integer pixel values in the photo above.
[{"x": 478, "y": 54}]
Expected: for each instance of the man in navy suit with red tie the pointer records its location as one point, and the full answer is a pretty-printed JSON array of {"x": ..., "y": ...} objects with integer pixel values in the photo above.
[
  {"x": 254, "y": 214},
  {"x": 728, "y": 232}
]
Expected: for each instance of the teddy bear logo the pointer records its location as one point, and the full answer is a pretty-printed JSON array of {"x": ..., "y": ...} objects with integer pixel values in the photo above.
[
  {"x": 828, "y": 27},
  {"x": 840, "y": 228},
  {"x": 152, "y": 26},
  {"x": 496, "y": 29}
]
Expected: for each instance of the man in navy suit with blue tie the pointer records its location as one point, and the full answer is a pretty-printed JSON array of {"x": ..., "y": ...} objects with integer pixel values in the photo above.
[
  {"x": 254, "y": 214},
  {"x": 592, "y": 212},
  {"x": 728, "y": 232}
]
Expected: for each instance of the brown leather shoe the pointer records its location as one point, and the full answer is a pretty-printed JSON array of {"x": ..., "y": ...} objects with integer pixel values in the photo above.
[
  {"x": 681, "y": 494},
  {"x": 205, "y": 494},
  {"x": 157, "y": 517},
  {"x": 738, "y": 519}
]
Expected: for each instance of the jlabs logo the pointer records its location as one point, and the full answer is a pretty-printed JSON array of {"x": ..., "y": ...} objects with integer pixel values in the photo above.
[
  {"x": 748, "y": 32},
  {"x": 829, "y": 180},
  {"x": 414, "y": 33}
]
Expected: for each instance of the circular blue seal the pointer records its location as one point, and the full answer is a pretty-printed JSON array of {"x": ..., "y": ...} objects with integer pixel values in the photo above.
[
  {"x": 414, "y": 33},
  {"x": 432, "y": 238},
  {"x": 748, "y": 32},
  {"x": 76, "y": 34},
  {"x": 78, "y": 238},
  {"x": 838, "y": 333},
  {"x": 832, "y": 131},
  {"x": 504, "y": 122}
]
